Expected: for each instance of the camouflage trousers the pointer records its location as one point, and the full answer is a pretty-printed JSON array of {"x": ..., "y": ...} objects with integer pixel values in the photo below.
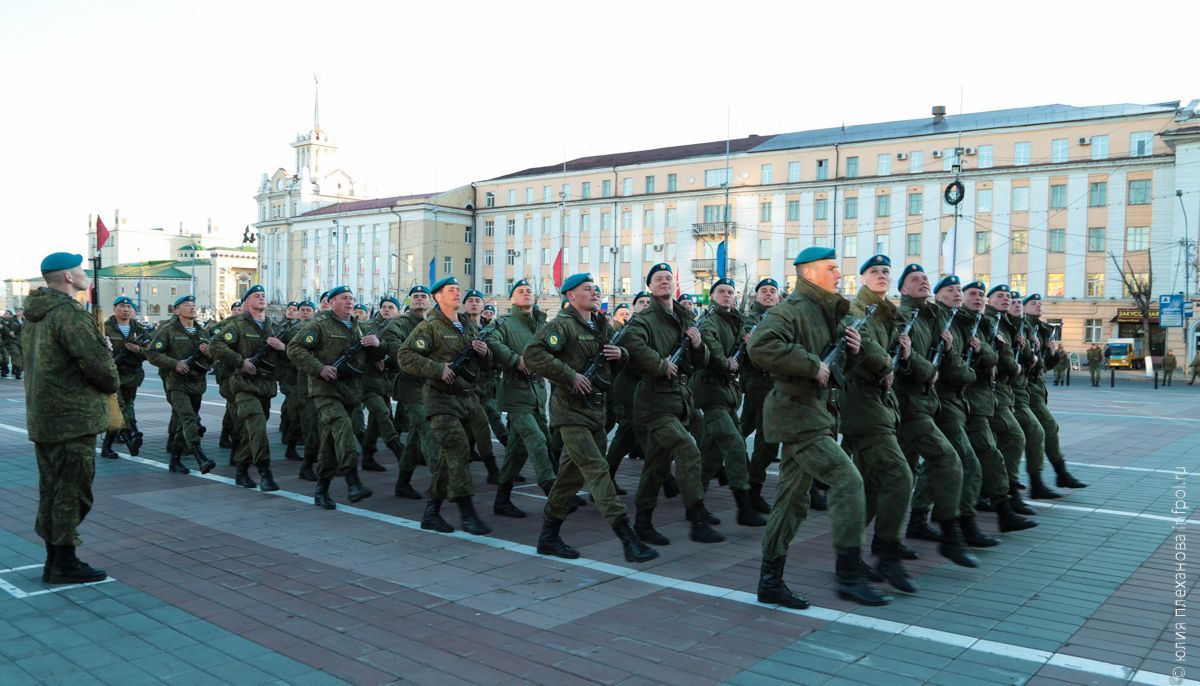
[
  {"x": 379, "y": 420},
  {"x": 1010, "y": 439},
  {"x": 451, "y": 472},
  {"x": 528, "y": 437},
  {"x": 183, "y": 430},
  {"x": 583, "y": 463},
  {"x": 722, "y": 445},
  {"x": 495, "y": 420},
  {"x": 420, "y": 439},
  {"x": 887, "y": 481},
  {"x": 253, "y": 445},
  {"x": 992, "y": 471},
  {"x": 1035, "y": 441},
  {"x": 953, "y": 427},
  {"x": 479, "y": 432},
  {"x": 665, "y": 437},
  {"x": 127, "y": 395},
  {"x": 825, "y": 460},
  {"x": 763, "y": 452},
  {"x": 65, "y": 474},
  {"x": 14, "y": 354},
  {"x": 921, "y": 438},
  {"x": 339, "y": 447},
  {"x": 1037, "y": 405}
]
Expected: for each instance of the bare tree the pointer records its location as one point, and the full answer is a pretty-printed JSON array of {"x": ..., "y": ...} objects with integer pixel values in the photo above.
[{"x": 1141, "y": 289}]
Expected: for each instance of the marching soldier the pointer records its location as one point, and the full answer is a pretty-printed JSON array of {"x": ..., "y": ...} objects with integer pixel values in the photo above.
[
  {"x": 379, "y": 382},
  {"x": 13, "y": 328},
  {"x": 128, "y": 337},
  {"x": 870, "y": 418},
  {"x": 1168, "y": 364},
  {"x": 1035, "y": 436},
  {"x": 1010, "y": 438},
  {"x": 313, "y": 445},
  {"x": 441, "y": 339},
  {"x": 335, "y": 392},
  {"x": 292, "y": 384},
  {"x": 180, "y": 351},
  {"x": 70, "y": 374},
  {"x": 229, "y": 425},
  {"x": 247, "y": 344},
  {"x": 561, "y": 351},
  {"x": 1094, "y": 359},
  {"x": 620, "y": 316},
  {"x": 662, "y": 404},
  {"x": 487, "y": 392},
  {"x": 801, "y": 413},
  {"x": 286, "y": 375},
  {"x": 757, "y": 384},
  {"x": 1195, "y": 368},
  {"x": 1061, "y": 369},
  {"x": 478, "y": 431},
  {"x": 718, "y": 394},
  {"x": 1047, "y": 355},
  {"x": 421, "y": 445},
  {"x": 625, "y": 440},
  {"x": 3, "y": 350}
]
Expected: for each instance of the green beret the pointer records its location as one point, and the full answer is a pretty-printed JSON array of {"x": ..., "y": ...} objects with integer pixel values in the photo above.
[
  {"x": 489, "y": 308},
  {"x": 418, "y": 289},
  {"x": 909, "y": 269},
  {"x": 336, "y": 291},
  {"x": 324, "y": 295},
  {"x": 814, "y": 253},
  {"x": 188, "y": 298},
  {"x": 574, "y": 281},
  {"x": 517, "y": 284},
  {"x": 292, "y": 303},
  {"x": 236, "y": 303},
  {"x": 307, "y": 303},
  {"x": 1015, "y": 295},
  {"x": 448, "y": 281},
  {"x": 252, "y": 290},
  {"x": 473, "y": 294},
  {"x": 721, "y": 282},
  {"x": 660, "y": 267},
  {"x": 975, "y": 284},
  {"x": 362, "y": 307},
  {"x": 767, "y": 282},
  {"x": 1000, "y": 287},
  {"x": 123, "y": 300},
  {"x": 61, "y": 260},
  {"x": 948, "y": 280},
  {"x": 1031, "y": 296},
  {"x": 620, "y": 307},
  {"x": 640, "y": 295},
  {"x": 874, "y": 261},
  {"x": 686, "y": 297}
]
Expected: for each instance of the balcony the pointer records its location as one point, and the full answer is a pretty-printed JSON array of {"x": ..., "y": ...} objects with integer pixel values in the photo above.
[
  {"x": 713, "y": 229},
  {"x": 709, "y": 266}
]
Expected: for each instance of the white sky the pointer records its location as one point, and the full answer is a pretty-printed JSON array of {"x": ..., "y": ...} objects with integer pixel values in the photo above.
[{"x": 171, "y": 111}]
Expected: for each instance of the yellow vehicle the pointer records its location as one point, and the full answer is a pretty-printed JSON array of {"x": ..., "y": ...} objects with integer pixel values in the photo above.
[{"x": 1125, "y": 353}]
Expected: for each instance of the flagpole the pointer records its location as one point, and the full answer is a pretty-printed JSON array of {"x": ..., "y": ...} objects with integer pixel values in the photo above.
[{"x": 96, "y": 265}]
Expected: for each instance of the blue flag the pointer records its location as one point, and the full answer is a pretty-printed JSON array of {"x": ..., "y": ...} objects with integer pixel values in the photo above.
[
  {"x": 432, "y": 271},
  {"x": 721, "y": 261}
]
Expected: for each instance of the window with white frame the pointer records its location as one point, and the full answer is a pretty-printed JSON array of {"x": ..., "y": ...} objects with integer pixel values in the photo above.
[
  {"x": 547, "y": 193},
  {"x": 767, "y": 174},
  {"x": 821, "y": 208},
  {"x": 545, "y": 255},
  {"x": 912, "y": 245},
  {"x": 883, "y": 205},
  {"x": 627, "y": 185},
  {"x": 1137, "y": 238},
  {"x": 851, "y": 167},
  {"x": 647, "y": 252},
  {"x": 1059, "y": 150},
  {"x": 489, "y": 258},
  {"x": 793, "y": 210},
  {"x": 1099, "y": 146},
  {"x": 764, "y": 248},
  {"x": 851, "y": 208},
  {"x": 987, "y": 156},
  {"x": 792, "y": 247},
  {"x": 1020, "y": 199},
  {"x": 489, "y": 227},
  {"x": 850, "y": 246},
  {"x": 649, "y": 184},
  {"x": 468, "y": 266},
  {"x": 764, "y": 212},
  {"x": 672, "y": 183},
  {"x": 1098, "y": 194},
  {"x": 626, "y": 219},
  {"x": 883, "y": 164},
  {"x": 512, "y": 196},
  {"x": 916, "y": 204},
  {"x": 585, "y": 222},
  {"x": 672, "y": 217},
  {"x": 916, "y": 161},
  {"x": 1092, "y": 329},
  {"x": 1095, "y": 285},
  {"x": 648, "y": 219},
  {"x": 882, "y": 245},
  {"x": 1022, "y": 153},
  {"x": 510, "y": 227},
  {"x": 585, "y": 254},
  {"x": 448, "y": 265},
  {"x": 716, "y": 177},
  {"x": 585, "y": 189},
  {"x": 983, "y": 200},
  {"x": 529, "y": 196},
  {"x": 822, "y": 169},
  {"x": 1141, "y": 144},
  {"x": 793, "y": 172},
  {"x": 1139, "y": 192}
]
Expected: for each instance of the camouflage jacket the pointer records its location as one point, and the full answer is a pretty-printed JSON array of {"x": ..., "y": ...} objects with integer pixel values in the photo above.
[
  {"x": 129, "y": 363},
  {"x": 240, "y": 338},
  {"x": 320, "y": 343},
  {"x": 171, "y": 344},
  {"x": 518, "y": 391},
  {"x": 407, "y": 389},
  {"x": 867, "y": 410},
  {"x": 433, "y": 344},
  {"x": 713, "y": 386},
  {"x": 559, "y": 350},
  {"x": 652, "y": 337}
]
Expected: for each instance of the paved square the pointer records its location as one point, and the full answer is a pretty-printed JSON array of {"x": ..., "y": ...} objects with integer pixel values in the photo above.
[{"x": 216, "y": 584}]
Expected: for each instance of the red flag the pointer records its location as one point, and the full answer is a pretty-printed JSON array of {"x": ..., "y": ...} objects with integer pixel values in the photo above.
[
  {"x": 101, "y": 233},
  {"x": 558, "y": 269}
]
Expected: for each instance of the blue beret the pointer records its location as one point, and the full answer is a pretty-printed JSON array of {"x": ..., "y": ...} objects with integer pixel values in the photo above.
[
  {"x": 874, "y": 261},
  {"x": 975, "y": 284},
  {"x": 473, "y": 294},
  {"x": 948, "y": 280},
  {"x": 61, "y": 260},
  {"x": 336, "y": 291},
  {"x": 767, "y": 282},
  {"x": 1032, "y": 296},
  {"x": 1000, "y": 287},
  {"x": 185, "y": 299},
  {"x": 362, "y": 307},
  {"x": 574, "y": 281},
  {"x": 909, "y": 269},
  {"x": 721, "y": 282},
  {"x": 660, "y": 267},
  {"x": 123, "y": 300},
  {"x": 236, "y": 303},
  {"x": 620, "y": 307},
  {"x": 814, "y": 253},
  {"x": 293, "y": 303},
  {"x": 252, "y": 290},
  {"x": 418, "y": 289},
  {"x": 686, "y": 297},
  {"x": 324, "y": 295},
  {"x": 517, "y": 284},
  {"x": 489, "y": 308},
  {"x": 307, "y": 303},
  {"x": 1016, "y": 295},
  {"x": 640, "y": 295},
  {"x": 448, "y": 281}
]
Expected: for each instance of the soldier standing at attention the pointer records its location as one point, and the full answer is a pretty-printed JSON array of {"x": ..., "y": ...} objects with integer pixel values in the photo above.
[
  {"x": 176, "y": 341},
  {"x": 801, "y": 413},
  {"x": 1168, "y": 364},
  {"x": 870, "y": 417},
  {"x": 523, "y": 396},
  {"x": 335, "y": 393},
  {"x": 379, "y": 382},
  {"x": 247, "y": 345},
  {"x": 662, "y": 404},
  {"x": 757, "y": 384},
  {"x": 70, "y": 374},
  {"x": 428, "y": 353},
  {"x": 124, "y": 332},
  {"x": 421, "y": 444},
  {"x": 561, "y": 350},
  {"x": 479, "y": 433},
  {"x": 1047, "y": 353},
  {"x": 1094, "y": 359}
]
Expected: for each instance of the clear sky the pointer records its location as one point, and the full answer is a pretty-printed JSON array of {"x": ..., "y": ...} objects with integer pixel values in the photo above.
[{"x": 171, "y": 111}]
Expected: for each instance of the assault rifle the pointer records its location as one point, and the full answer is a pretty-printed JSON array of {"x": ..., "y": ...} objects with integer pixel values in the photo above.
[
  {"x": 895, "y": 349},
  {"x": 739, "y": 351},
  {"x": 121, "y": 356},
  {"x": 938, "y": 350},
  {"x": 344, "y": 364},
  {"x": 969, "y": 352},
  {"x": 677, "y": 354},
  {"x": 459, "y": 364},
  {"x": 594, "y": 365},
  {"x": 835, "y": 353}
]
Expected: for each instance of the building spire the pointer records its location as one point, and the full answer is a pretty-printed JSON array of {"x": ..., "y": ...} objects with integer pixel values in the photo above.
[{"x": 316, "y": 106}]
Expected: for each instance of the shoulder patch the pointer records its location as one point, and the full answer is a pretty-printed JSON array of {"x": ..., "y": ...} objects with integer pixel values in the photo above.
[
  {"x": 229, "y": 335},
  {"x": 158, "y": 345},
  {"x": 420, "y": 344},
  {"x": 310, "y": 339},
  {"x": 554, "y": 341}
]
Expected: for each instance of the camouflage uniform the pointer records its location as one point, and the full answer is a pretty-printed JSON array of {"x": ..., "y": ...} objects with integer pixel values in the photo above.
[
  {"x": 523, "y": 397},
  {"x": 757, "y": 384},
  {"x": 409, "y": 403},
  {"x": 13, "y": 329},
  {"x": 173, "y": 343},
  {"x": 129, "y": 365},
  {"x": 234, "y": 342}
]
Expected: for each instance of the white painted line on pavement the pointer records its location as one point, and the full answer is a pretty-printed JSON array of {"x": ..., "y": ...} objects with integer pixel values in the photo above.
[
  {"x": 19, "y": 594},
  {"x": 1099, "y": 510},
  {"x": 1129, "y": 416},
  {"x": 1127, "y": 469},
  {"x": 202, "y": 402}
]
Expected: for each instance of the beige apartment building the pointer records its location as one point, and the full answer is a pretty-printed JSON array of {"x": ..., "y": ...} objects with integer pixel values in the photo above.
[{"x": 1055, "y": 198}]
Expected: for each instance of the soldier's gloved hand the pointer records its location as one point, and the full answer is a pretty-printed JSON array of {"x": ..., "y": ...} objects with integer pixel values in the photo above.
[
  {"x": 181, "y": 367},
  {"x": 823, "y": 374},
  {"x": 693, "y": 335},
  {"x": 582, "y": 386},
  {"x": 611, "y": 352},
  {"x": 371, "y": 341},
  {"x": 947, "y": 339},
  {"x": 975, "y": 344},
  {"x": 733, "y": 365},
  {"x": 328, "y": 373},
  {"x": 672, "y": 370},
  {"x": 447, "y": 374},
  {"x": 276, "y": 344},
  {"x": 249, "y": 368},
  {"x": 480, "y": 348},
  {"x": 853, "y": 340},
  {"x": 905, "y": 346}
]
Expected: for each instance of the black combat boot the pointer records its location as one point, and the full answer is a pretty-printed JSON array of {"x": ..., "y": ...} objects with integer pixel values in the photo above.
[
  {"x": 357, "y": 491},
  {"x": 68, "y": 569},
  {"x": 306, "y": 467},
  {"x": 757, "y": 500},
  {"x": 397, "y": 449},
  {"x": 132, "y": 438},
  {"x": 503, "y": 506},
  {"x": 266, "y": 480},
  {"x": 471, "y": 523},
  {"x": 493, "y": 473},
  {"x": 1007, "y": 520},
  {"x": 905, "y": 552},
  {"x": 17, "y": 375},
  {"x": 175, "y": 466},
  {"x": 747, "y": 515},
  {"x": 972, "y": 536},
  {"x": 890, "y": 567},
  {"x": 431, "y": 519},
  {"x": 984, "y": 505},
  {"x": 670, "y": 487},
  {"x": 49, "y": 563},
  {"x": 918, "y": 527},
  {"x": 369, "y": 464},
  {"x": 4, "y": 372},
  {"x": 722, "y": 478},
  {"x": 549, "y": 541},
  {"x": 226, "y": 442},
  {"x": 702, "y": 532},
  {"x": 106, "y": 448},
  {"x": 243, "y": 476},
  {"x": 952, "y": 547},
  {"x": 852, "y": 582},
  {"x": 321, "y": 498},
  {"x": 404, "y": 487},
  {"x": 292, "y": 454},
  {"x": 644, "y": 528},
  {"x": 1018, "y": 505},
  {"x": 816, "y": 499},
  {"x": 635, "y": 550},
  {"x": 233, "y": 452},
  {"x": 1063, "y": 479},
  {"x": 771, "y": 588},
  {"x": 204, "y": 464},
  {"x": 1039, "y": 490}
]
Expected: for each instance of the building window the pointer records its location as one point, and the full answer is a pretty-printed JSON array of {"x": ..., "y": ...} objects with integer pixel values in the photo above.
[
  {"x": 1139, "y": 192},
  {"x": 672, "y": 217},
  {"x": 1020, "y": 241},
  {"x": 1018, "y": 282},
  {"x": 767, "y": 173},
  {"x": 606, "y": 254},
  {"x": 672, "y": 183},
  {"x": 793, "y": 210},
  {"x": 716, "y": 177},
  {"x": 983, "y": 242},
  {"x": 1100, "y": 147},
  {"x": 1021, "y": 153},
  {"x": 714, "y": 213},
  {"x": 1058, "y": 196},
  {"x": 1055, "y": 285},
  {"x": 512, "y": 196},
  {"x": 912, "y": 245},
  {"x": 606, "y": 188},
  {"x": 793, "y": 172},
  {"x": 606, "y": 220},
  {"x": 883, "y": 206},
  {"x": 545, "y": 225},
  {"x": 1141, "y": 143},
  {"x": 1020, "y": 199},
  {"x": 626, "y": 219},
  {"x": 1137, "y": 238},
  {"x": 983, "y": 278},
  {"x": 448, "y": 265},
  {"x": 916, "y": 204},
  {"x": 547, "y": 193},
  {"x": 625, "y": 285},
  {"x": 626, "y": 253},
  {"x": 585, "y": 254},
  {"x": 648, "y": 219},
  {"x": 1095, "y": 236},
  {"x": 850, "y": 247},
  {"x": 949, "y": 158},
  {"x": 764, "y": 249},
  {"x": 983, "y": 200},
  {"x": 649, "y": 184},
  {"x": 489, "y": 258},
  {"x": 1095, "y": 285},
  {"x": 916, "y": 162},
  {"x": 851, "y": 208},
  {"x": 489, "y": 227},
  {"x": 508, "y": 285},
  {"x": 849, "y": 284},
  {"x": 1057, "y": 240},
  {"x": 529, "y": 196},
  {"x": 585, "y": 189},
  {"x": 510, "y": 257},
  {"x": 489, "y": 199},
  {"x": 764, "y": 212},
  {"x": 1098, "y": 194},
  {"x": 545, "y": 255},
  {"x": 468, "y": 236},
  {"x": 670, "y": 252},
  {"x": 647, "y": 252},
  {"x": 883, "y": 164},
  {"x": 585, "y": 222},
  {"x": 1091, "y": 330},
  {"x": 822, "y": 170},
  {"x": 468, "y": 266},
  {"x": 987, "y": 156},
  {"x": 820, "y": 208},
  {"x": 851, "y": 167},
  {"x": 511, "y": 227},
  {"x": 792, "y": 247},
  {"x": 1139, "y": 279},
  {"x": 627, "y": 185},
  {"x": 1058, "y": 150}
]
